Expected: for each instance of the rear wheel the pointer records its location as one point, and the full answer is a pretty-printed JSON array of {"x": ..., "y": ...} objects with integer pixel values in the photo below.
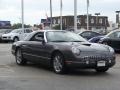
[
  {"x": 102, "y": 69},
  {"x": 19, "y": 58},
  {"x": 58, "y": 64}
]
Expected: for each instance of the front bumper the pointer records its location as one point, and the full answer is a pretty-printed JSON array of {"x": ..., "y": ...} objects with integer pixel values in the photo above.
[
  {"x": 5, "y": 38},
  {"x": 91, "y": 62}
]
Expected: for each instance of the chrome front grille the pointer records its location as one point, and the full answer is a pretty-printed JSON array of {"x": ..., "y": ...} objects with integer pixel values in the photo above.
[{"x": 96, "y": 58}]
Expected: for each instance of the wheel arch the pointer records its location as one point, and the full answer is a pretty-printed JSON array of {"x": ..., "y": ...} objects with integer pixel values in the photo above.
[
  {"x": 18, "y": 47},
  {"x": 54, "y": 52},
  {"x": 15, "y": 37}
]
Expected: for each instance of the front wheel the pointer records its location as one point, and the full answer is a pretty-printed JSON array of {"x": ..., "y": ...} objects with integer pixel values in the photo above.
[
  {"x": 16, "y": 39},
  {"x": 58, "y": 64},
  {"x": 102, "y": 69},
  {"x": 19, "y": 58}
]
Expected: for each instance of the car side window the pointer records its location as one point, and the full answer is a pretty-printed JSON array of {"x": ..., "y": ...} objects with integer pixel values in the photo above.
[
  {"x": 38, "y": 37},
  {"x": 115, "y": 35},
  {"x": 94, "y": 34},
  {"x": 28, "y": 31},
  {"x": 86, "y": 34},
  {"x": 19, "y": 31},
  {"x": 118, "y": 35}
]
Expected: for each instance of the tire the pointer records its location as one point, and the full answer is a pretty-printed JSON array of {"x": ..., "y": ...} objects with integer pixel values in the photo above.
[
  {"x": 15, "y": 39},
  {"x": 58, "y": 63},
  {"x": 19, "y": 58},
  {"x": 102, "y": 69}
]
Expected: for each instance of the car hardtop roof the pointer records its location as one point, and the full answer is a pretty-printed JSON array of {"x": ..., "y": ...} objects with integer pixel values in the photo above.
[
  {"x": 81, "y": 31},
  {"x": 49, "y": 30}
]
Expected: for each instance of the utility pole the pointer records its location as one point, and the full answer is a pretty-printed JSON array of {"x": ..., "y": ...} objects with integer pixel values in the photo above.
[
  {"x": 22, "y": 13},
  {"x": 61, "y": 15},
  {"x": 50, "y": 14},
  {"x": 87, "y": 14},
  {"x": 118, "y": 21},
  {"x": 75, "y": 15}
]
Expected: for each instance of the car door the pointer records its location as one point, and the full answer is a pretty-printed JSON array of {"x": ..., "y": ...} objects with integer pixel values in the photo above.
[
  {"x": 115, "y": 40},
  {"x": 21, "y": 34},
  {"x": 24, "y": 33},
  {"x": 27, "y": 32},
  {"x": 38, "y": 50}
]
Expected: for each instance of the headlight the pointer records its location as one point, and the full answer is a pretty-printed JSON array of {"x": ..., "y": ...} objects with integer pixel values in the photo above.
[{"x": 76, "y": 51}]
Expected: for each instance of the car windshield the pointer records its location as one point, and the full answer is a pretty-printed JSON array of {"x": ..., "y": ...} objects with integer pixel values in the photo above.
[
  {"x": 16, "y": 31},
  {"x": 2, "y": 31},
  {"x": 63, "y": 36},
  {"x": 5, "y": 31}
]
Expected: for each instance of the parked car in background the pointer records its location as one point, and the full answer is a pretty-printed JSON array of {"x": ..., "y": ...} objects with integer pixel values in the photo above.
[
  {"x": 112, "y": 39},
  {"x": 95, "y": 39},
  {"x": 88, "y": 34},
  {"x": 16, "y": 35},
  {"x": 4, "y": 31},
  {"x": 61, "y": 50}
]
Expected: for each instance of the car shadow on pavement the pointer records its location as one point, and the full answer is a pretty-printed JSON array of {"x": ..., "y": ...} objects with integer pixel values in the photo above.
[
  {"x": 86, "y": 72},
  {"x": 69, "y": 72}
]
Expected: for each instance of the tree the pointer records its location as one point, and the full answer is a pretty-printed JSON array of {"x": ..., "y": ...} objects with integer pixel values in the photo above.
[
  {"x": 19, "y": 25},
  {"x": 57, "y": 27}
]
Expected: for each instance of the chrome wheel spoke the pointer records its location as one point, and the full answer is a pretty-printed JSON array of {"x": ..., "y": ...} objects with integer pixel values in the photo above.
[
  {"x": 18, "y": 56},
  {"x": 57, "y": 63}
]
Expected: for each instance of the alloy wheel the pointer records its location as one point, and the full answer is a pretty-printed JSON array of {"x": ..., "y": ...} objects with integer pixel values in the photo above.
[
  {"x": 18, "y": 57},
  {"x": 58, "y": 64}
]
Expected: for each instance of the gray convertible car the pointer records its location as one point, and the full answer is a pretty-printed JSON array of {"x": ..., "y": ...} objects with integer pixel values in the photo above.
[{"x": 62, "y": 50}]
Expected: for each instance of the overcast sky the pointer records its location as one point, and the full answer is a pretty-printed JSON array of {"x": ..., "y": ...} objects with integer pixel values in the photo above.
[{"x": 37, "y": 9}]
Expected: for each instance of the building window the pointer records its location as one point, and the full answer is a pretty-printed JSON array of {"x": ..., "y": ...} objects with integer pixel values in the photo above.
[
  {"x": 58, "y": 21},
  {"x": 78, "y": 20},
  {"x": 100, "y": 21},
  {"x": 92, "y": 20},
  {"x": 54, "y": 22},
  {"x": 85, "y": 20},
  {"x": 65, "y": 21}
]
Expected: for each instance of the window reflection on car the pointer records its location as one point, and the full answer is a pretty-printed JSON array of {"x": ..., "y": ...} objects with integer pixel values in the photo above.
[{"x": 64, "y": 37}]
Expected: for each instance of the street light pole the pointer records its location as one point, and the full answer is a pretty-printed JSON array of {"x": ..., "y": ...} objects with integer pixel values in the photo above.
[
  {"x": 22, "y": 13},
  {"x": 61, "y": 14},
  {"x": 87, "y": 14},
  {"x": 50, "y": 14},
  {"x": 118, "y": 21},
  {"x": 97, "y": 19},
  {"x": 75, "y": 15}
]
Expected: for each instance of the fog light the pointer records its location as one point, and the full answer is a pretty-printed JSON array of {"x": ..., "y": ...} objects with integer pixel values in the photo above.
[
  {"x": 87, "y": 62},
  {"x": 110, "y": 61}
]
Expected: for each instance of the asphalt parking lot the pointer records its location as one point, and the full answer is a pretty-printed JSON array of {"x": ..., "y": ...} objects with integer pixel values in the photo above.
[{"x": 35, "y": 77}]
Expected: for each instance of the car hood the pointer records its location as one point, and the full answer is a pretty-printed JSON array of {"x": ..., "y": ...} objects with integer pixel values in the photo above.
[
  {"x": 8, "y": 34},
  {"x": 86, "y": 46},
  {"x": 91, "y": 47}
]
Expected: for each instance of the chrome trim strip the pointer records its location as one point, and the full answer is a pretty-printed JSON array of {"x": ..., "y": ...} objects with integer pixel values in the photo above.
[
  {"x": 45, "y": 37},
  {"x": 37, "y": 56}
]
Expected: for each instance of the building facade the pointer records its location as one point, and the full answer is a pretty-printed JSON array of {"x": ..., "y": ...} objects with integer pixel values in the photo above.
[{"x": 95, "y": 22}]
